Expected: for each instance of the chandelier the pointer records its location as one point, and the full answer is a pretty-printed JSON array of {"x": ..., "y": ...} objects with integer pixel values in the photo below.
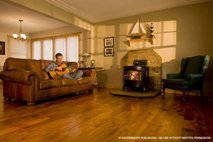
[{"x": 20, "y": 36}]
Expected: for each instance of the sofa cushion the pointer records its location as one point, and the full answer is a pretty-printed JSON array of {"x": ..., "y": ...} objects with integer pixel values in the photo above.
[
  {"x": 85, "y": 80},
  {"x": 68, "y": 82},
  {"x": 16, "y": 64},
  {"x": 44, "y": 63},
  {"x": 50, "y": 83},
  {"x": 35, "y": 66},
  {"x": 73, "y": 65}
]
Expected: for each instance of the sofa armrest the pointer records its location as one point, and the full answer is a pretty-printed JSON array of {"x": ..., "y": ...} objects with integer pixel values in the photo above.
[
  {"x": 23, "y": 77},
  {"x": 173, "y": 75},
  {"x": 90, "y": 73}
]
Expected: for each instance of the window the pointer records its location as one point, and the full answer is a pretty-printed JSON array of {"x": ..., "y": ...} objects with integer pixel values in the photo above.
[
  {"x": 47, "y": 48},
  {"x": 60, "y": 46},
  {"x": 36, "y": 48},
  {"x": 72, "y": 48}
]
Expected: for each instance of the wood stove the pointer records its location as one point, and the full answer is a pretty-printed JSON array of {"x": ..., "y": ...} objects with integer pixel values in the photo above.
[{"x": 136, "y": 77}]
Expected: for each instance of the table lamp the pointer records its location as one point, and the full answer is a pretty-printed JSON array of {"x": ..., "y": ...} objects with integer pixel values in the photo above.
[{"x": 86, "y": 55}]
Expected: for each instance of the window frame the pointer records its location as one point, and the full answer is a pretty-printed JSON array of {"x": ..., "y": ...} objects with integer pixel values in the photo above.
[{"x": 53, "y": 38}]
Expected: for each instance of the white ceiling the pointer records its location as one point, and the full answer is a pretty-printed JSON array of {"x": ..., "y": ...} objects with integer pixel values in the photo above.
[
  {"x": 92, "y": 10},
  {"x": 33, "y": 21},
  {"x": 101, "y": 10}
]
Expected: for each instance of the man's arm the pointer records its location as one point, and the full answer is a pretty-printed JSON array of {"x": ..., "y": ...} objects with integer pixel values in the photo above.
[{"x": 51, "y": 67}]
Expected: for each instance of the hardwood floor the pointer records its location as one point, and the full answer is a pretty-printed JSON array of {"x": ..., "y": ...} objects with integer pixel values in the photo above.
[{"x": 101, "y": 117}]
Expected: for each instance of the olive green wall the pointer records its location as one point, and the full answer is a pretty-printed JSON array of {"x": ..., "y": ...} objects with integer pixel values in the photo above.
[{"x": 193, "y": 29}]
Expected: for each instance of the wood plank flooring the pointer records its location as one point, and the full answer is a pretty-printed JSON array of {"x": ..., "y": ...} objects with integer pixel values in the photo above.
[{"x": 102, "y": 117}]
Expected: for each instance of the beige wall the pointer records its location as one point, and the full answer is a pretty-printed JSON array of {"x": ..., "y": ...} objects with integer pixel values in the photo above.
[
  {"x": 3, "y": 37},
  {"x": 8, "y": 53},
  {"x": 17, "y": 48},
  {"x": 191, "y": 36}
]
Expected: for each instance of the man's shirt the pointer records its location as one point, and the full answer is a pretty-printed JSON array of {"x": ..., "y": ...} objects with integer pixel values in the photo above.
[{"x": 51, "y": 67}]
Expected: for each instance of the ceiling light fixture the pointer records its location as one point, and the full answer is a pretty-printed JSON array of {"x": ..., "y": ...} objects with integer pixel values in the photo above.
[{"x": 20, "y": 36}]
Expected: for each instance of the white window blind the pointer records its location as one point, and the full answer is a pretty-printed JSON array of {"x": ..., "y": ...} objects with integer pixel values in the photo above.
[
  {"x": 47, "y": 49},
  {"x": 60, "y": 46},
  {"x": 68, "y": 46},
  {"x": 36, "y": 50},
  {"x": 72, "y": 48},
  {"x": 17, "y": 48}
]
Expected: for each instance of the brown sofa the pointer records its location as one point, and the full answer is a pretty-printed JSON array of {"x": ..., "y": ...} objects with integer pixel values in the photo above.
[{"x": 26, "y": 80}]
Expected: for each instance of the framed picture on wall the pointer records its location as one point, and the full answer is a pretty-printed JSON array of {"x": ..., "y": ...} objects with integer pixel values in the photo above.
[
  {"x": 108, "y": 51},
  {"x": 108, "y": 41},
  {"x": 2, "y": 48}
]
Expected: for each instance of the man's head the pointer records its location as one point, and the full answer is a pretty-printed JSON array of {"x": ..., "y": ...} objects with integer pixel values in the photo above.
[{"x": 59, "y": 58}]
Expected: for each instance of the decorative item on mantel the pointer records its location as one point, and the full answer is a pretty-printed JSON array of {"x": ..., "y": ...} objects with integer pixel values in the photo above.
[
  {"x": 21, "y": 36},
  {"x": 141, "y": 33}
]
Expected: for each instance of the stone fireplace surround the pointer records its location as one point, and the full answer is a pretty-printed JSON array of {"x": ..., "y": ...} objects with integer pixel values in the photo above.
[{"x": 154, "y": 64}]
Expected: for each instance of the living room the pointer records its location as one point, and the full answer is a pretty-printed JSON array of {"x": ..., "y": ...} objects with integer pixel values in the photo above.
[{"x": 104, "y": 38}]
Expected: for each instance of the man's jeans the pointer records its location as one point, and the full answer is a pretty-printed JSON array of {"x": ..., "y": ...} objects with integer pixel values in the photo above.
[{"x": 74, "y": 75}]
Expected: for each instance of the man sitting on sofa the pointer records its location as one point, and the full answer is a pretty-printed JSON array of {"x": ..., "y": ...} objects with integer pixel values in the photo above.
[{"x": 56, "y": 66}]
